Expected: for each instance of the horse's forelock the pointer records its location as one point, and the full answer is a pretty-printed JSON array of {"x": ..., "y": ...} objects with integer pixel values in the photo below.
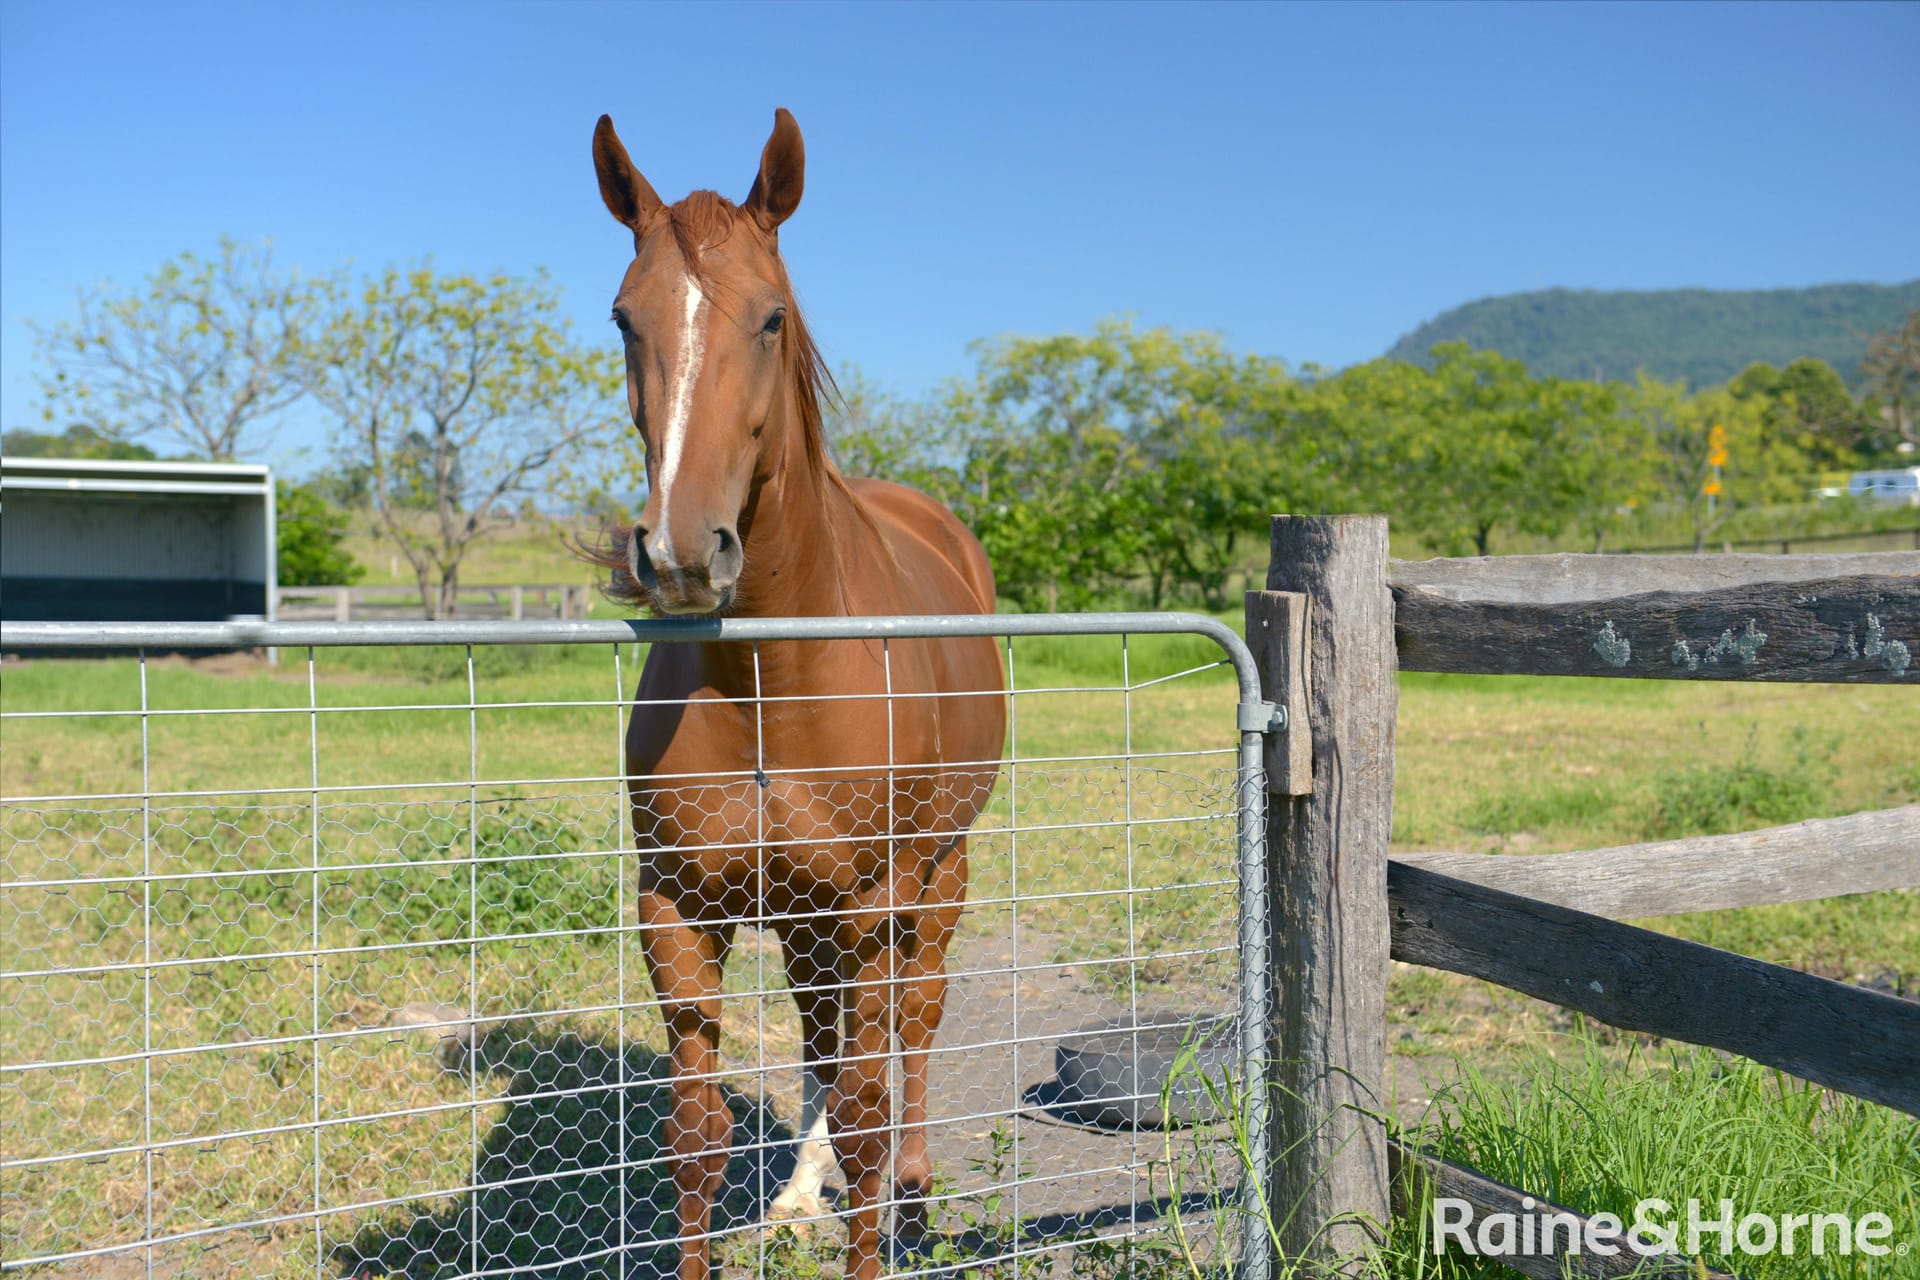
[{"x": 703, "y": 219}]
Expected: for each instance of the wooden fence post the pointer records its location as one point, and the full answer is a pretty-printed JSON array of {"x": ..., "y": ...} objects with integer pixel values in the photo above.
[
  {"x": 343, "y": 604},
  {"x": 1327, "y": 876},
  {"x": 518, "y": 596}
]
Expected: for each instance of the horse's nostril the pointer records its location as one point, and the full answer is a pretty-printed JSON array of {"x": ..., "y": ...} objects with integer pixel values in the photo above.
[
  {"x": 638, "y": 563},
  {"x": 724, "y": 569}
]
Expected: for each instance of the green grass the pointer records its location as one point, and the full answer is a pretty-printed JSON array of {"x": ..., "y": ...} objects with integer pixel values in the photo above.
[
  {"x": 1597, "y": 1132},
  {"x": 1536, "y": 764},
  {"x": 1693, "y": 799},
  {"x": 396, "y": 875},
  {"x": 523, "y": 552},
  {"x": 1582, "y": 1125}
]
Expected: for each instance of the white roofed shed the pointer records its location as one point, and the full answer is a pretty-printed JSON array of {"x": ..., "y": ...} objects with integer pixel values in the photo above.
[{"x": 135, "y": 541}]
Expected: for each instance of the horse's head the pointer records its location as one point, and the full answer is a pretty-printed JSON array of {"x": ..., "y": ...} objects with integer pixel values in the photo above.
[{"x": 715, "y": 351}]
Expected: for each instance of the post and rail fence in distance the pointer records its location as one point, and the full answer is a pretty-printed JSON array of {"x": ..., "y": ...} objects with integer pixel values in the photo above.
[
  {"x": 565, "y": 601},
  {"x": 1335, "y": 626},
  {"x": 1890, "y": 537}
]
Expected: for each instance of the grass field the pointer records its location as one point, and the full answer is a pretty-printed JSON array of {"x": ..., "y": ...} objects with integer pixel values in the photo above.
[{"x": 1499, "y": 765}]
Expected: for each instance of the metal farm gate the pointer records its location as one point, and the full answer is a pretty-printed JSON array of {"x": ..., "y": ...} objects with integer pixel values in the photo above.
[{"x": 331, "y": 969}]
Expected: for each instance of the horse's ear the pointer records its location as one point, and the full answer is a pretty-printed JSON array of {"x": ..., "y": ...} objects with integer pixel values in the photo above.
[
  {"x": 783, "y": 171},
  {"x": 630, "y": 198}
]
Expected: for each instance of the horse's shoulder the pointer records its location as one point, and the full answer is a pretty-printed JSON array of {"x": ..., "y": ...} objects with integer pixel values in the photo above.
[{"x": 925, "y": 538}]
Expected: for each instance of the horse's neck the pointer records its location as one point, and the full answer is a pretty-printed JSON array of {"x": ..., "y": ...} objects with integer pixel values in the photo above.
[
  {"x": 792, "y": 568},
  {"x": 804, "y": 535}
]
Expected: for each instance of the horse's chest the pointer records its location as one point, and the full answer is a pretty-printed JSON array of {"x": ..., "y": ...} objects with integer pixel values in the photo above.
[
  {"x": 810, "y": 838},
  {"x": 810, "y": 809}
]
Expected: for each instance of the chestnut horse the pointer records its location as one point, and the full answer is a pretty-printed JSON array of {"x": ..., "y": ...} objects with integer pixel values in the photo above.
[{"x": 822, "y": 788}]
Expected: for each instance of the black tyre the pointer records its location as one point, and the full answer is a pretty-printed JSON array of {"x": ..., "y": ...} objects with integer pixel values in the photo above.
[{"x": 1115, "y": 1075}]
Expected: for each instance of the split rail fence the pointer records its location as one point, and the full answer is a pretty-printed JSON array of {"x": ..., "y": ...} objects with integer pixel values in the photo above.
[{"x": 1336, "y": 623}]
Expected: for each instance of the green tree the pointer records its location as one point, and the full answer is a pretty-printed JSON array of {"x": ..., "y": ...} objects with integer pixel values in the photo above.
[
  {"x": 310, "y": 534},
  {"x": 1216, "y": 459},
  {"x": 1466, "y": 449},
  {"x": 1358, "y": 436},
  {"x": 1088, "y": 459},
  {"x": 1043, "y": 425},
  {"x": 1808, "y": 418},
  {"x": 201, "y": 355},
  {"x": 456, "y": 392},
  {"x": 1479, "y": 450},
  {"x": 1051, "y": 512},
  {"x": 1681, "y": 428},
  {"x": 79, "y": 440},
  {"x": 1603, "y": 465}
]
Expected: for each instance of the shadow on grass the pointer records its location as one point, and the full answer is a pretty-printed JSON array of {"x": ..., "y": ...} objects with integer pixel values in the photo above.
[{"x": 548, "y": 1181}]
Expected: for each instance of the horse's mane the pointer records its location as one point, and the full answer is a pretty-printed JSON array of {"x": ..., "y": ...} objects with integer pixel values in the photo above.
[{"x": 701, "y": 220}]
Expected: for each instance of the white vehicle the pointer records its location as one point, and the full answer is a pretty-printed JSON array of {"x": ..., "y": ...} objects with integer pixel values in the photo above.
[{"x": 1901, "y": 486}]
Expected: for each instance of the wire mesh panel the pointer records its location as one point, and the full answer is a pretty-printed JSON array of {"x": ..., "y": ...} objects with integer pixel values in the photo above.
[{"x": 339, "y": 967}]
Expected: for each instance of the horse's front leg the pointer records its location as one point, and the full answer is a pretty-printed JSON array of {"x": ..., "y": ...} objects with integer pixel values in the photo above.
[
  {"x": 862, "y": 1107},
  {"x": 923, "y": 998},
  {"x": 813, "y": 977},
  {"x": 685, "y": 961}
]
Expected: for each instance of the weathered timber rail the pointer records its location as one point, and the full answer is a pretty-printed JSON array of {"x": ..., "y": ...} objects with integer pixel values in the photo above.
[
  {"x": 1820, "y": 858},
  {"x": 1831, "y": 631},
  {"x": 1549, "y": 926},
  {"x": 1844, "y": 1037}
]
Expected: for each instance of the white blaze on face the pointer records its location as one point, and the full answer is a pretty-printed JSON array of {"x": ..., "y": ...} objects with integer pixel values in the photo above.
[{"x": 673, "y": 439}]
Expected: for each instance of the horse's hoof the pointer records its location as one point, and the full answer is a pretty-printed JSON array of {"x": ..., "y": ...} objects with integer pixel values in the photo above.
[
  {"x": 910, "y": 1223},
  {"x": 793, "y": 1209}
]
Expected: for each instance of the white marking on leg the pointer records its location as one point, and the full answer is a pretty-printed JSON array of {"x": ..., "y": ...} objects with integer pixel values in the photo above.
[
  {"x": 813, "y": 1157},
  {"x": 693, "y": 350}
]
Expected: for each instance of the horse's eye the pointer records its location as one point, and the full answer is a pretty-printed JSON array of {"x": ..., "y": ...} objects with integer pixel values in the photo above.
[
  {"x": 620, "y": 322},
  {"x": 774, "y": 322}
]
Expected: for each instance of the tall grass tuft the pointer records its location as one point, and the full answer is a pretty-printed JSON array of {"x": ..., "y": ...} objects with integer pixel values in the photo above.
[
  {"x": 1711, "y": 798},
  {"x": 1598, "y": 1134},
  {"x": 1583, "y": 1126}
]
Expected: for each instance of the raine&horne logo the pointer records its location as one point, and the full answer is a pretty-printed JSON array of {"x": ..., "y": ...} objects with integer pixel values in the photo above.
[{"x": 1540, "y": 1230}]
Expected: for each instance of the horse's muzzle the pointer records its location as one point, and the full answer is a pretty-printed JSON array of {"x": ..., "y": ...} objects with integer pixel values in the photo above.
[{"x": 679, "y": 587}]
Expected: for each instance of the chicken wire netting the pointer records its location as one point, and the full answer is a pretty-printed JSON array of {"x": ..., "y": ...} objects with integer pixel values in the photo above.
[{"x": 332, "y": 968}]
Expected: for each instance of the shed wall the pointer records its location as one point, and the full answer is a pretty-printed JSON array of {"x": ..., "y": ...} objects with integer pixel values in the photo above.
[{"x": 136, "y": 557}]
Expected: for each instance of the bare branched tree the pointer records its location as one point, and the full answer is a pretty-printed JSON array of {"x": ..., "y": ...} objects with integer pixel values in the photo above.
[
  {"x": 201, "y": 356},
  {"x": 1892, "y": 366},
  {"x": 455, "y": 392}
]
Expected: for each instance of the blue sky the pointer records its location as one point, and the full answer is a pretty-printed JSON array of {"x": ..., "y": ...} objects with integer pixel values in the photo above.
[{"x": 1310, "y": 181}]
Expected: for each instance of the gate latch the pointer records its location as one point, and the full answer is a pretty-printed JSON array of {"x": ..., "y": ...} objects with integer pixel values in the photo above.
[{"x": 1262, "y": 717}]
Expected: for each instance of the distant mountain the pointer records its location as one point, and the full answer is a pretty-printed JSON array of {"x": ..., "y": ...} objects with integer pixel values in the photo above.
[{"x": 1705, "y": 336}]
